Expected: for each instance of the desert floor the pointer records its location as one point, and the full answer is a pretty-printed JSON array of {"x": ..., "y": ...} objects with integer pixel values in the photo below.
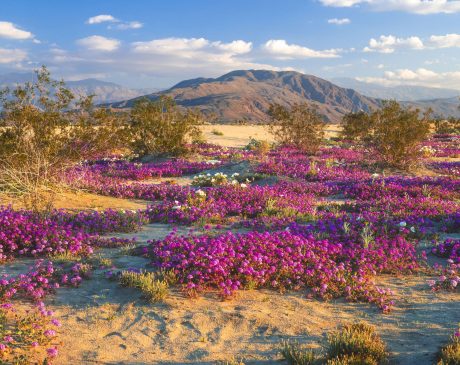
[{"x": 104, "y": 323}]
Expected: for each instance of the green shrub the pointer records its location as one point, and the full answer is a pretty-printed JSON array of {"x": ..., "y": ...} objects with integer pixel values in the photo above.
[
  {"x": 300, "y": 126},
  {"x": 295, "y": 354},
  {"x": 450, "y": 353},
  {"x": 355, "y": 126},
  {"x": 356, "y": 344},
  {"x": 217, "y": 132},
  {"x": 44, "y": 131},
  {"x": 160, "y": 127},
  {"x": 153, "y": 288},
  {"x": 262, "y": 147},
  {"x": 447, "y": 126}
]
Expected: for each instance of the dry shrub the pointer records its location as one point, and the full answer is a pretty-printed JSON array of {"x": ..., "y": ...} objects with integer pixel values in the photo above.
[
  {"x": 393, "y": 132},
  {"x": 356, "y": 344},
  {"x": 301, "y": 126},
  {"x": 160, "y": 127},
  {"x": 44, "y": 130},
  {"x": 450, "y": 353},
  {"x": 447, "y": 126}
]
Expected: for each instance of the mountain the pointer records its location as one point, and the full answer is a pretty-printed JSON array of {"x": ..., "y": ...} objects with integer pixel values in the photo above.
[
  {"x": 442, "y": 108},
  {"x": 247, "y": 95},
  {"x": 403, "y": 93},
  {"x": 105, "y": 92}
]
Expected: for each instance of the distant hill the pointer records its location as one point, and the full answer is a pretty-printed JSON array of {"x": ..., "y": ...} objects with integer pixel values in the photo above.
[
  {"x": 402, "y": 93},
  {"x": 247, "y": 95},
  {"x": 442, "y": 108},
  {"x": 105, "y": 92}
]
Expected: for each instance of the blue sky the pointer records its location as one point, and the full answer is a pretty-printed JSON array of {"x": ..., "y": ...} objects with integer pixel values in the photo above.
[{"x": 149, "y": 43}]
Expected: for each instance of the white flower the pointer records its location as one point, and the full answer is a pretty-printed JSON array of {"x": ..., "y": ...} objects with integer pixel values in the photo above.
[
  {"x": 375, "y": 175},
  {"x": 402, "y": 224},
  {"x": 412, "y": 229},
  {"x": 235, "y": 174},
  {"x": 243, "y": 185},
  {"x": 176, "y": 207},
  {"x": 234, "y": 182},
  {"x": 200, "y": 192}
]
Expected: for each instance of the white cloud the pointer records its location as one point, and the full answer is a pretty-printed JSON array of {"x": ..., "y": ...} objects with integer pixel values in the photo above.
[
  {"x": 337, "y": 21},
  {"x": 103, "y": 18},
  {"x": 410, "y": 6},
  {"x": 389, "y": 43},
  {"x": 99, "y": 43},
  {"x": 419, "y": 77},
  {"x": 129, "y": 25},
  {"x": 445, "y": 41},
  {"x": 12, "y": 55},
  {"x": 172, "y": 58},
  {"x": 9, "y": 30},
  {"x": 280, "y": 49}
]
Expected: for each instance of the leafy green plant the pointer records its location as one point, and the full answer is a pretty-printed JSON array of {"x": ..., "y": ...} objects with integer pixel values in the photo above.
[
  {"x": 160, "y": 127},
  {"x": 301, "y": 126}
]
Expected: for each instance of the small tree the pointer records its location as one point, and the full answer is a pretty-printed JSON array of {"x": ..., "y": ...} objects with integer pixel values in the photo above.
[
  {"x": 396, "y": 134},
  {"x": 300, "y": 126},
  {"x": 161, "y": 127},
  {"x": 356, "y": 126},
  {"x": 41, "y": 136}
]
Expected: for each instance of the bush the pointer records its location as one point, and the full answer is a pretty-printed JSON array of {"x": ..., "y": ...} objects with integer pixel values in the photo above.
[
  {"x": 259, "y": 146},
  {"x": 300, "y": 126},
  {"x": 154, "y": 289},
  {"x": 450, "y": 354},
  {"x": 295, "y": 354},
  {"x": 447, "y": 126},
  {"x": 356, "y": 344},
  {"x": 160, "y": 127},
  {"x": 43, "y": 132},
  {"x": 355, "y": 126}
]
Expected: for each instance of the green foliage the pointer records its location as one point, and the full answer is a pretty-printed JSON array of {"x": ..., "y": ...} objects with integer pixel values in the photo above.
[
  {"x": 262, "y": 147},
  {"x": 450, "y": 353},
  {"x": 160, "y": 127},
  {"x": 295, "y": 354},
  {"x": 356, "y": 126},
  {"x": 154, "y": 288},
  {"x": 447, "y": 126},
  {"x": 393, "y": 132},
  {"x": 356, "y": 344},
  {"x": 44, "y": 130},
  {"x": 300, "y": 126}
]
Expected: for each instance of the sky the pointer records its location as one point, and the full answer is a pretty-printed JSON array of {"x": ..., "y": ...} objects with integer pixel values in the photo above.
[{"x": 155, "y": 44}]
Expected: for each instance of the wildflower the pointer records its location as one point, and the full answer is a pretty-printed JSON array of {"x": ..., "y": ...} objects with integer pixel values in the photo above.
[
  {"x": 52, "y": 352},
  {"x": 402, "y": 224}
]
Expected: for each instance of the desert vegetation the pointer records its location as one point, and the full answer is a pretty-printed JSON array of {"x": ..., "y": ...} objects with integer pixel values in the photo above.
[{"x": 308, "y": 220}]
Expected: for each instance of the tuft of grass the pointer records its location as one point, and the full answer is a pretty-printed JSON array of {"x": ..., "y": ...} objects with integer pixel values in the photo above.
[
  {"x": 216, "y": 132},
  {"x": 232, "y": 361},
  {"x": 356, "y": 344},
  {"x": 153, "y": 288},
  {"x": 450, "y": 353},
  {"x": 295, "y": 354}
]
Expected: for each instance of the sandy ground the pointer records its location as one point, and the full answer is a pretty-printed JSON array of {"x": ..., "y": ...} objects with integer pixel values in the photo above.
[
  {"x": 239, "y": 135},
  {"x": 104, "y": 323}
]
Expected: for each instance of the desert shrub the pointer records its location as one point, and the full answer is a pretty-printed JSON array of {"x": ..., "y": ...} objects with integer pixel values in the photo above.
[
  {"x": 356, "y": 343},
  {"x": 447, "y": 126},
  {"x": 44, "y": 130},
  {"x": 258, "y": 145},
  {"x": 450, "y": 353},
  {"x": 153, "y": 288},
  {"x": 356, "y": 126},
  {"x": 295, "y": 354},
  {"x": 160, "y": 127},
  {"x": 397, "y": 133},
  {"x": 301, "y": 126},
  {"x": 217, "y": 132}
]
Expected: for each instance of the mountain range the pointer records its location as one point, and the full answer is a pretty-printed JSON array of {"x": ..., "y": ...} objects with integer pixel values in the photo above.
[
  {"x": 245, "y": 95},
  {"x": 105, "y": 92}
]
